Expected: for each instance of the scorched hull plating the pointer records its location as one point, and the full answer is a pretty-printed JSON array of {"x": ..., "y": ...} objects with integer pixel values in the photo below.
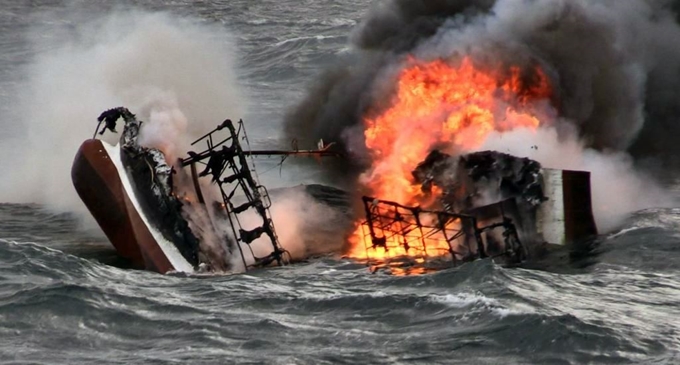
[{"x": 98, "y": 183}]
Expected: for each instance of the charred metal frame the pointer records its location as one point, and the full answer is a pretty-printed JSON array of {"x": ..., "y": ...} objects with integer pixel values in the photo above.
[
  {"x": 229, "y": 168},
  {"x": 395, "y": 227}
]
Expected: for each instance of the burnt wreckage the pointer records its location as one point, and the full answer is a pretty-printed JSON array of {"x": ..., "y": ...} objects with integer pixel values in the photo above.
[
  {"x": 487, "y": 204},
  {"x": 208, "y": 212}
]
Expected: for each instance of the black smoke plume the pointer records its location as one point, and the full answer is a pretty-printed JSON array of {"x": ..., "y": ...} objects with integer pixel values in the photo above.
[{"x": 615, "y": 65}]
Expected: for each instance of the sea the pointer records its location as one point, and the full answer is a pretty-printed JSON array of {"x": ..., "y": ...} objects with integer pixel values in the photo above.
[{"x": 66, "y": 298}]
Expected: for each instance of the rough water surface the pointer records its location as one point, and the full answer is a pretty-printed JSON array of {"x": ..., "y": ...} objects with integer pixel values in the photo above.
[
  {"x": 63, "y": 304},
  {"x": 65, "y": 297}
]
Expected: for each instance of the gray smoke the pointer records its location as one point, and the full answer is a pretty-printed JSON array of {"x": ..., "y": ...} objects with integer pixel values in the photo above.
[{"x": 616, "y": 64}]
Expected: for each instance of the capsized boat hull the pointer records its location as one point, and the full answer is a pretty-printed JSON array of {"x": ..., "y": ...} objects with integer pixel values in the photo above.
[{"x": 98, "y": 182}]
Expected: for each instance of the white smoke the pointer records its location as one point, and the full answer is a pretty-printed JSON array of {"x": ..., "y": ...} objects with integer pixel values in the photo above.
[
  {"x": 304, "y": 227},
  {"x": 617, "y": 187},
  {"x": 175, "y": 74},
  {"x": 166, "y": 130}
]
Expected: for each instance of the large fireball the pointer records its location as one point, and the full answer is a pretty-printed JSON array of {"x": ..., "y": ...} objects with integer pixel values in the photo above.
[{"x": 452, "y": 107}]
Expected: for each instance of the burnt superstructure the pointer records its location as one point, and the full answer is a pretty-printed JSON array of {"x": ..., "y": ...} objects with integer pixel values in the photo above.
[
  {"x": 410, "y": 234},
  {"x": 481, "y": 205}
]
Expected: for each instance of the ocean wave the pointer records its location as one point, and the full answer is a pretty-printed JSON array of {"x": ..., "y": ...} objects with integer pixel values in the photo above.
[
  {"x": 476, "y": 301},
  {"x": 306, "y": 38}
]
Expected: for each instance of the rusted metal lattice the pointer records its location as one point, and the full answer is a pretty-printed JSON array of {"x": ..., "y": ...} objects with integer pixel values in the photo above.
[{"x": 394, "y": 232}]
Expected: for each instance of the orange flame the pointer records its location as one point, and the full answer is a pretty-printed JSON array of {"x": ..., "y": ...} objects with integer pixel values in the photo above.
[{"x": 439, "y": 105}]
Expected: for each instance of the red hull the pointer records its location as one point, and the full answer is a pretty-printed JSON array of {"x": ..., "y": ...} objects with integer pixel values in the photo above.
[{"x": 98, "y": 184}]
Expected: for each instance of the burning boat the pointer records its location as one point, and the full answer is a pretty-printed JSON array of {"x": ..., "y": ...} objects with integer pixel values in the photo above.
[{"x": 165, "y": 216}]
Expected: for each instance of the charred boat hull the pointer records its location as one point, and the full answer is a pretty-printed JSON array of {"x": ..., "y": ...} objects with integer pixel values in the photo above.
[{"x": 102, "y": 185}]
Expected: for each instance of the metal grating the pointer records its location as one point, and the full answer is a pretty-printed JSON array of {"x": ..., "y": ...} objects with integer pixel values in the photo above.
[{"x": 398, "y": 233}]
